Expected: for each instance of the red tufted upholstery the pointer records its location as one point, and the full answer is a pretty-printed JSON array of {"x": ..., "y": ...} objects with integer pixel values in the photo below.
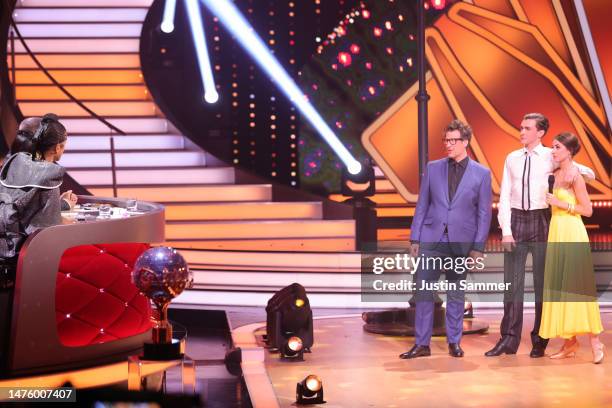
[{"x": 95, "y": 300}]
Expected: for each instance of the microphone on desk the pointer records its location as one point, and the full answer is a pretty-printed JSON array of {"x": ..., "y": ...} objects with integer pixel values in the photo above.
[{"x": 551, "y": 183}]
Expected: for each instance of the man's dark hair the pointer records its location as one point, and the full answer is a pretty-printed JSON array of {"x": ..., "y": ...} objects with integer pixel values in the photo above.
[
  {"x": 25, "y": 133},
  {"x": 464, "y": 129},
  {"x": 541, "y": 121}
]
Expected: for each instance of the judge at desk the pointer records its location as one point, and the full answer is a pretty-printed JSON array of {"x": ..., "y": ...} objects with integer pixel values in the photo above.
[{"x": 29, "y": 188}]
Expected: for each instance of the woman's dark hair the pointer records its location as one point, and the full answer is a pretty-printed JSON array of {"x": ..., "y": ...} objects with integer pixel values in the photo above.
[
  {"x": 50, "y": 133},
  {"x": 570, "y": 141},
  {"x": 25, "y": 133},
  {"x": 22, "y": 142}
]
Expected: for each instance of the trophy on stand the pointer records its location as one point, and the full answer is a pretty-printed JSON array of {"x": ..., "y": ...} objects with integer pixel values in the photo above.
[{"x": 161, "y": 274}]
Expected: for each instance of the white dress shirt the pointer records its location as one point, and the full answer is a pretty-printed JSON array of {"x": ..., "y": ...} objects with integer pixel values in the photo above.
[{"x": 525, "y": 182}]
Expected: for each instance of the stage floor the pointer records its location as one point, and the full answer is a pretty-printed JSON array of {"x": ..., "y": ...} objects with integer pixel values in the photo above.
[{"x": 360, "y": 369}]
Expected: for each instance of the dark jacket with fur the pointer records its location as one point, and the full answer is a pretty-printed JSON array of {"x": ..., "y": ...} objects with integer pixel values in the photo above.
[{"x": 32, "y": 189}]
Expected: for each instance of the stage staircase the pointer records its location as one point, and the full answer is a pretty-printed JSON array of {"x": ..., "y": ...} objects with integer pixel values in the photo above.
[{"x": 92, "y": 48}]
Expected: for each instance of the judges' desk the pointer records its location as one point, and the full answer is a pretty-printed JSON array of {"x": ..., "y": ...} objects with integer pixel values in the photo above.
[{"x": 73, "y": 277}]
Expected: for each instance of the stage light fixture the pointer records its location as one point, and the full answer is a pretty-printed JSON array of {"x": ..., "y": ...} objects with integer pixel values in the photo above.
[
  {"x": 196, "y": 22},
  {"x": 293, "y": 349},
  {"x": 289, "y": 322},
  {"x": 309, "y": 391},
  {"x": 239, "y": 27},
  {"x": 167, "y": 25},
  {"x": 438, "y": 4},
  {"x": 360, "y": 185}
]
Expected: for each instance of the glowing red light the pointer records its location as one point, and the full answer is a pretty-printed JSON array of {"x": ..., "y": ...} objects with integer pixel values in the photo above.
[
  {"x": 312, "y": 165},
  {"x": 341, "y": 31},
  {"x": 345, "y": 58},
  {"x": 377, "y": 32},
  {"x": 368, "y": 65},
  {"x": 339, "y": 125},
  {"x": 371, "y": 90},
  {"x": 365, "y": 14},
  {"x": 381, "y": 83},
  {"x": 355, "y": 49},
  {"x": 438, "y": 4}
]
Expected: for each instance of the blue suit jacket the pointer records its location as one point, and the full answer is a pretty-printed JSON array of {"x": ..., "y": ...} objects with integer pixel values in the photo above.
[{"x": 467, "y": 216}]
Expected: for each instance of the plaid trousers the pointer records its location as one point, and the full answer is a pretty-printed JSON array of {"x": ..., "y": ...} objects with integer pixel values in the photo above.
[{"x": 530, "y": 231}]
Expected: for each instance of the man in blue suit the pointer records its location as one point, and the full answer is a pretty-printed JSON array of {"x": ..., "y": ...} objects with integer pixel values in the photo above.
[{"x": 451, "y": 220}]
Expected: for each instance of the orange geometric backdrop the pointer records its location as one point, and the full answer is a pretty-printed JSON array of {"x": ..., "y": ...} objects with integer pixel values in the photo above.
[{"x": 492, "y": 61}]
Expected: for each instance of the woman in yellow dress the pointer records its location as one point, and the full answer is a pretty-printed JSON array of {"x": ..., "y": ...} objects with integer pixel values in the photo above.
[{"x": 570, "y": 297}]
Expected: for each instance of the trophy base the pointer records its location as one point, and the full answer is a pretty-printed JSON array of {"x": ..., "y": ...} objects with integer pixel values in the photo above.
[{"x": 162, "y": 351}]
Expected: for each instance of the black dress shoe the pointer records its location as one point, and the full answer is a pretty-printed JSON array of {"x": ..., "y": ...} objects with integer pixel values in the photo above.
[
  {"x": 416, "y": 351},
  {"x": 500, "y": 348},
  {"x": 537, "y": 352},
  {"x": 454, "y": 349}
]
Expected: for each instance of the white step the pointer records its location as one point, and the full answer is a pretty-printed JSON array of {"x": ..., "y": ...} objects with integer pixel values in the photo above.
[
  {"x": 261, "y": 229},
  {"x": 45, "y": 15},
  {"x": 246, "y": 280},
  {"x": 104, "y": 30},
  {"x": 134, "y": 159},
  {"x": 243, "y": 211},
  {"x": 102, "y": 108},
  {"x": 229, "y": 297},
  {"x": 347, "y": 262},
  {"x": 125, "y": 177},
  {"x": 81, "y": 3},
  {"x": 77, "y": 45},
  {"x": 195, "y": 193},
  {"x": 333, "y": 244},
  {"x": 125, "y": 142},
  {"x": 128, "y": 125},
  {"x": 78, "y": 61}
]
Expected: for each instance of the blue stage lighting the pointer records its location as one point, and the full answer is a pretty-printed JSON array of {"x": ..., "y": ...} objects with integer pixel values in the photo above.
[
  {"x": 196, "y": 23},
  {"x": 234, "y": 22},
  {"x": 167, "y": 25}
]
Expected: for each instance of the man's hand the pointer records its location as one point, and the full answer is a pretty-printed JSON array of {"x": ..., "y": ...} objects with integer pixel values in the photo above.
[
  {"x": 508, "y": 243},
  {"x": 414, "y": 249},
  {"x": 70, "y": 198}
]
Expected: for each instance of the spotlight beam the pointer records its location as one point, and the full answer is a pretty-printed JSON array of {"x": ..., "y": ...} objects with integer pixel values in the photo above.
[
  {"x": 196, "y": 22},
  {"x": 167, "y": 25},
  {"x": 235, "y": 23}
]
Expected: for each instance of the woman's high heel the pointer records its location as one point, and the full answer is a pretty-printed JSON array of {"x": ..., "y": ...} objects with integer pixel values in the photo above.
[
  {"x": 568, "y": 350},
  {"x": 598, "y": 353}
]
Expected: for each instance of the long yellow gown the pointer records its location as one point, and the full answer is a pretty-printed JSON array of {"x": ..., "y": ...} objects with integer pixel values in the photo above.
[{"x": 570, "y": 297}]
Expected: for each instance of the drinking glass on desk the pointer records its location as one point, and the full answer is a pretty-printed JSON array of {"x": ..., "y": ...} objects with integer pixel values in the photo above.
[
  {"x": 105, "y": 211},
  {"x": 131, "y": 204}
]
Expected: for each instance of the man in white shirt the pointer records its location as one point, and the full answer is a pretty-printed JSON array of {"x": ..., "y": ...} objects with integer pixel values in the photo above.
[{"x": 524, "y": 218}]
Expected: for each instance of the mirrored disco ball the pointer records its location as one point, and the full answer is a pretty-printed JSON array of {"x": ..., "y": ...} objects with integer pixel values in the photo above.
[{"x": 161, "y": 274}]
